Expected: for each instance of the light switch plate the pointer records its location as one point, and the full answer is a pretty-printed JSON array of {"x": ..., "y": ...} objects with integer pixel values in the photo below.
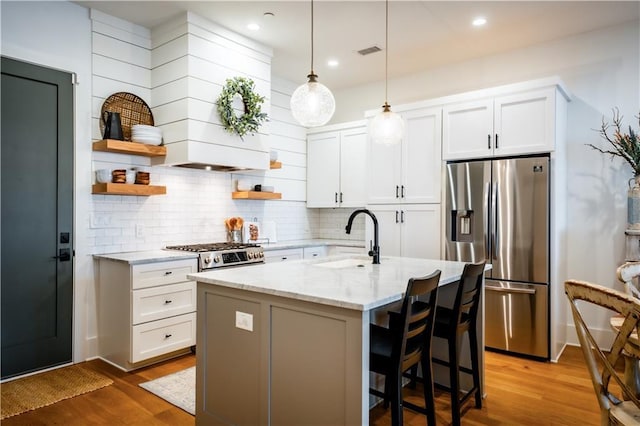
[{"x": 244, "y": 321}]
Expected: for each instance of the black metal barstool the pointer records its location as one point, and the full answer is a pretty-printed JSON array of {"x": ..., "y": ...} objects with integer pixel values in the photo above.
[
  {"x": 406, "y": 343},
  {"x": 451, "y": 324}
]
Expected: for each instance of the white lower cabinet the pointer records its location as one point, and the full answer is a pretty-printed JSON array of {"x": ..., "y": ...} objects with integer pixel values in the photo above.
[
  {"x": 283, "y": 255},
  {"x": 314, "y": 252},
  {"x": 407, "y": 230},
  {"x": 146, "y": 312},
  {"x": 335, "y": 250}
]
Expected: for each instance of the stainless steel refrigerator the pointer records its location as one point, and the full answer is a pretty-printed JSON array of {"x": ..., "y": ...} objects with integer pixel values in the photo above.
[{"x": 498, "y": 211}]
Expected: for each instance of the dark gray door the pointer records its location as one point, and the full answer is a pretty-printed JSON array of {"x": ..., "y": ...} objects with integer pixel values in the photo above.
[{"x": 37, "y": 217}]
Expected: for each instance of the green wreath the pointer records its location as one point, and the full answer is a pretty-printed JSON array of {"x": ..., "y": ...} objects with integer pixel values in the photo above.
[{"x": 250, "y": 121}]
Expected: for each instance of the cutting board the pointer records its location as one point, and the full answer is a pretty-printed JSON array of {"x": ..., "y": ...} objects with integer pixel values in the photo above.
[{"x": 268, "y": 232}]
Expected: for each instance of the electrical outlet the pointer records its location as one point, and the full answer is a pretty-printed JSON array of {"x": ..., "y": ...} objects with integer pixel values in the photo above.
[
  {"x": 244, "y": 321},
  {"x": 139, "y": 230}
]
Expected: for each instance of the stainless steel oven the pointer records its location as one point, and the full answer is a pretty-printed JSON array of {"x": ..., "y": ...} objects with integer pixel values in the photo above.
[{"x": 223, "y": 255}]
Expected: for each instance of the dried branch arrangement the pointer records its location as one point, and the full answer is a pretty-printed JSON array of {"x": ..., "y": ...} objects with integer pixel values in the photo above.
[{"x": 622, "y": 144}]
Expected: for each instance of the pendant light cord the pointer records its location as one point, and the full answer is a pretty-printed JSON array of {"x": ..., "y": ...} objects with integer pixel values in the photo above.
[
  {"x": 312, "y": 37},
  {"x": 386, "y": 53}
]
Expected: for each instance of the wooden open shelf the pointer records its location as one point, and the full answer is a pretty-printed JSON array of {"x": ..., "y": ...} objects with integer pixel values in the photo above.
[
  {"x": 275, "y": 165},
  {"x": 255, "y": 195},
  {"x": 127, "y": 189},
  {"x": 132, "y": 148}
]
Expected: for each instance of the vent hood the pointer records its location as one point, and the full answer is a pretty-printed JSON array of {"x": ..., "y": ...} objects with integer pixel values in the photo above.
[
  {"x": 192, "y": 57},
  {"x": 213, "y": 156}
]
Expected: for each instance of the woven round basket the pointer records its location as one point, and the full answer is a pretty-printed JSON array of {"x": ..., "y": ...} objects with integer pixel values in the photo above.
[{"x": 133, "y": 110}]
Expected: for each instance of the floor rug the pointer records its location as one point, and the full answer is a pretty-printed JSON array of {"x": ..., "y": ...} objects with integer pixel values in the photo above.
[
  {"x": 42, "y": 389},
  {"x": 178, "y": 388}
]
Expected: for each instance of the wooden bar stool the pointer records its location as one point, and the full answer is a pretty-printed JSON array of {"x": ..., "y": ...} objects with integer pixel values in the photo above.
[
  {"x": 406, "y": 343},
  {"x": 452, "y": 324}
]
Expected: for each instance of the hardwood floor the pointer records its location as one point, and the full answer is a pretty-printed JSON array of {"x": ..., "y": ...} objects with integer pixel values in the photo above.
[{"x": 519, "y": 392}]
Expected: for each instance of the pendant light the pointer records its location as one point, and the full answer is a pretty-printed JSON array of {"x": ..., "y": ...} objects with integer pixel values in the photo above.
[
  {"x": 386, "y": 127},
  {"x": 312, "y": 104}
]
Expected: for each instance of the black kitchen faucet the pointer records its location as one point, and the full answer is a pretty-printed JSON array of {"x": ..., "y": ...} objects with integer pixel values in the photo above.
[{"x": 375, "y": 250}]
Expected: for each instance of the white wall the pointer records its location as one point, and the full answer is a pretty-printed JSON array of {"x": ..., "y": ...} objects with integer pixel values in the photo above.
[
  {"x": 58, "y": 35},
  {"x": 602, "y": 70}
]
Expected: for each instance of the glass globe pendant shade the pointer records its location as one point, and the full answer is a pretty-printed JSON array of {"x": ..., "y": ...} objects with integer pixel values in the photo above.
[
  {"x": 387, "y": 127},
  {"x": 312, "y": 104}
]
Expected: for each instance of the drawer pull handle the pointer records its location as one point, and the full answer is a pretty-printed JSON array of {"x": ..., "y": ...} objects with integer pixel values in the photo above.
[
  {"x": 166, "y": 302},
  {"x": 168, "y": 273},
  {"x": 166, "y": 336}
]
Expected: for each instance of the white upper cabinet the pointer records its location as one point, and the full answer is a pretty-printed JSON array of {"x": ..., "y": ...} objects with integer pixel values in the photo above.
[
  {"x": 336, "y": 167},
  {"x": 521, "y": 123},
  {"x": 408, "y": 172}
]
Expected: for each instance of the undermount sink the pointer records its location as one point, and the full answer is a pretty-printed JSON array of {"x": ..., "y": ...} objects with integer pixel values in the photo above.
[{"x": 345, "y": 263}]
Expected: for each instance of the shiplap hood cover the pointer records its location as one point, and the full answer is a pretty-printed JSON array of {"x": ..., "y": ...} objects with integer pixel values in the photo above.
[{"x": 191, "y": 60}]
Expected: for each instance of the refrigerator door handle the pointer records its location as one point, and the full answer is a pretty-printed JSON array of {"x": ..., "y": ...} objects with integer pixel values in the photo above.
[
  {"x": 496, "y": 207},
  {"x": 510, "y": 290},
  {"x": 486, "y": 222}
]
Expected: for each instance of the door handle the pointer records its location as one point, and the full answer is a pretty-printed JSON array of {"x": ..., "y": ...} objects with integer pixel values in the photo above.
[
  {"x": 402, "y": 191},
  {"x": 401, "y": 216},
  {"x": 64, "y": 255},
  {"x": 496, "y": 141},
  {"x": 495, "y": 207},
  {"x": 488, "y": 141},
  {"x": 485, "y": 222},
  {"x": 341, "y": 197},
  {"x": 510, "y": 290},
  {"x": 396, "y": 216},
  {"x": 397, "y": 189},
  {"x": 336, "y": 197}
]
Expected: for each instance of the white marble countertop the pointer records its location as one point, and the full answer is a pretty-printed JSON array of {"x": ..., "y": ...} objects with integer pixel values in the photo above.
[
  {"x": 149, "y": 256},
  {"x": 310, "y": 243},
  {"x": 356, "y": 287}
]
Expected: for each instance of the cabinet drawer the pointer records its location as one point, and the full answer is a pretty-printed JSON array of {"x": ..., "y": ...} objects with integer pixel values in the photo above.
[
  {"x": 156, "y": 338},
  {"x": 282, "y": 255},
  {"x": 313, "y": 252},
  {"x": 165, "y": 301},
  {"x": 161, "y": 273}
]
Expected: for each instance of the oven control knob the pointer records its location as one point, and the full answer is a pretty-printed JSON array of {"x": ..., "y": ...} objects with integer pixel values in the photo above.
[
  {"x": 261, "y": 254},
  {"x": 250, "y": 255},
  {"x": 207, "y": 260},
  {"x": 216, "y": 259}
]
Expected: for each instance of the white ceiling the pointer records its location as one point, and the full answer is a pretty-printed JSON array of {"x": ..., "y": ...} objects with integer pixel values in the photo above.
[{"x": 422, "y": 34}]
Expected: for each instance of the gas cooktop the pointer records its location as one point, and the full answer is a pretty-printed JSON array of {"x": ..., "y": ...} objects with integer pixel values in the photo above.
[{"x": 217, "y": 255}]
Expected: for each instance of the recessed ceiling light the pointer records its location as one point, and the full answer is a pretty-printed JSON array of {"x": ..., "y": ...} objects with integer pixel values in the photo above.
[
  {"x": 253, "y": 26},
  {"x": 333, "y": 63},
  {"x": 479, "y": 21}
]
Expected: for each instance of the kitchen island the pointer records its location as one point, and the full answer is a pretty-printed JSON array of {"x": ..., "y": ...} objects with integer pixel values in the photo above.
[{"x": 288, "y": 343}]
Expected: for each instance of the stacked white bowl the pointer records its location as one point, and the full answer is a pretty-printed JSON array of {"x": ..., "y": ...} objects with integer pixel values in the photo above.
[{"x": 150, "y": 135}]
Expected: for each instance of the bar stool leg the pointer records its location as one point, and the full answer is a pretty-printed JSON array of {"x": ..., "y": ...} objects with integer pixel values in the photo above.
[
  {"x": 429, "y": 398},
  {"x": 454, "y": 378},
  {"x": 396, "y": 401},
  {"x": 475, "y": 364}
]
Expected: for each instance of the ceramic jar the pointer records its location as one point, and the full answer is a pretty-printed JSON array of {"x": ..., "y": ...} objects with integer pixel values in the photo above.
[{"x": 633, "y": 204}]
